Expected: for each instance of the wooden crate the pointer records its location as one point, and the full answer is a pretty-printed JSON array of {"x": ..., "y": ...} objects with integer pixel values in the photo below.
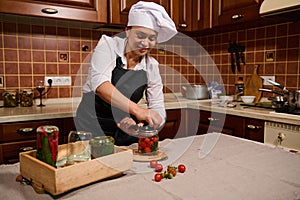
[{"x": 59, "y": 180}]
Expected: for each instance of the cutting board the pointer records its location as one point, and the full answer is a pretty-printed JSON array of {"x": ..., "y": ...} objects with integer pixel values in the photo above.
[{"x": 253, "y": 83}]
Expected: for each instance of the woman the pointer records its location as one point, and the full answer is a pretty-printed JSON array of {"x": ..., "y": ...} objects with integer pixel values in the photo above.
[{"x": 121, "y": 70}]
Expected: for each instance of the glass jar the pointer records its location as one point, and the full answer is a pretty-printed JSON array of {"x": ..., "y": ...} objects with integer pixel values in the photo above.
[
  {"x": 102, "y": 146},
  {"x": 79, "y": 149},
  {"x": 10, "y": 98},
  {"x": 47, "y": 144},
  {"x": 26, "y": 97},
  {"x": 148, "y": 145}
]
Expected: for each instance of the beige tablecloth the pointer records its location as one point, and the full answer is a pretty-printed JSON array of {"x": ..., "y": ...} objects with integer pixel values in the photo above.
[{"x": 234, "y": 169}]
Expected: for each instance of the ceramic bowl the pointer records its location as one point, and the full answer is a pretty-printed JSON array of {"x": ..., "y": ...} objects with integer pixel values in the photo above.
[
  {"x": 226, "y": 98},
  {"x": 248, "y": 99}
]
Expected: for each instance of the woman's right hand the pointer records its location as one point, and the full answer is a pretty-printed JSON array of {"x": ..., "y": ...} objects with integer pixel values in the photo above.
[{"x": 150, "y": 116}]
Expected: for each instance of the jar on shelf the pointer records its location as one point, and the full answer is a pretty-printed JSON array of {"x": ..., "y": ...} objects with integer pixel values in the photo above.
[
  {"x": 10, "y": 98},
  {"x": 26, "y": 97}
]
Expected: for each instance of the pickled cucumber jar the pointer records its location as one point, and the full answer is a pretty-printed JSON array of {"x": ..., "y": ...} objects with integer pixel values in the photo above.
[
  {"x": 10, "y": 98},
  {"x": 102, "y": 146},
  {"x": 26, "y": 97}
]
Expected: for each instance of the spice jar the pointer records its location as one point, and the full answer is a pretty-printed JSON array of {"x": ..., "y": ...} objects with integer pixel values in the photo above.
[
  {"x": 102, "y": 146},
  {"x": 10, "y": 98},
  {"x": 47, "y": 144},
  {"x": 26, "y": 97}
]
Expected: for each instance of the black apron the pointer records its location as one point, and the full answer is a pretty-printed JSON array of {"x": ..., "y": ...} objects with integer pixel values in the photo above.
[{"x": 96, "y": 116}]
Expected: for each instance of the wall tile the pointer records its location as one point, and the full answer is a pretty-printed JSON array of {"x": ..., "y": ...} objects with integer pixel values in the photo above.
[{"x": 29, "y": 51}]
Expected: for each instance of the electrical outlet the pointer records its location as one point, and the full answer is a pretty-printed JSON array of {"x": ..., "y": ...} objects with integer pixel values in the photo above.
[
  {"x": 59, "y": 80},
  {"x": 266, "y": 78}
]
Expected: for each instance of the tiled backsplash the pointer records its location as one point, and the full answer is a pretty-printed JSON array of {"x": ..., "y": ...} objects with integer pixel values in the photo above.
[{"x": 31, "y": 50}]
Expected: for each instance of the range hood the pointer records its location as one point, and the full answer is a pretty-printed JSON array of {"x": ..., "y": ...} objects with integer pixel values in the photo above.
[{"x": 288, "y": 9}]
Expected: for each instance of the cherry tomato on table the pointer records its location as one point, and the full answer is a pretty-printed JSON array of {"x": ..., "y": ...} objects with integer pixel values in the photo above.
[
  {"x": 153, "y": 163},
  {"x": 158, "y": 177},
  {"x": 158, "y": 167},
  {"x": 181, "y": 168}
]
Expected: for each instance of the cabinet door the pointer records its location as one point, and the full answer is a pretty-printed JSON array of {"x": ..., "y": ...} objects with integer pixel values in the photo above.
[
  {"x": 175, "y": 125},
  {"x": 80, "y": 10},
  {"x": 215, "y": 122},
  {"x": 119, "y": 9},
  {"x": 227, "y": 12},
  {"x": 254, "y": 130},
  {"x": 191, "y": 15}
]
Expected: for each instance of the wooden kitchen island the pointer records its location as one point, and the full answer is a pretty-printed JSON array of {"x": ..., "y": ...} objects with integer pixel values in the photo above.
[{"x": 218, "y": 167}]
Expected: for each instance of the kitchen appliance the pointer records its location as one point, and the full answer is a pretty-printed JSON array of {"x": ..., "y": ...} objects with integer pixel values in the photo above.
[
  {"x": 196, "y": 91},
  {"x": 288, "y": 9},
  {"x": 291, "y": 102},
  {"x": 282, "y": 135}
]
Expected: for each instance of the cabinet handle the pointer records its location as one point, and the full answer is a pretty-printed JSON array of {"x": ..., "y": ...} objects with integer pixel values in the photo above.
[
  {"x": 182, "y": 25},
  {"x": 25, "y": 130},
  {"x": 24, "y": 149},
  {"x": 212, "y": 119},
  {"x": 237, "y": 17},
  {"x": 49, "y": 10},
  {"x": 250, "y": 126}
]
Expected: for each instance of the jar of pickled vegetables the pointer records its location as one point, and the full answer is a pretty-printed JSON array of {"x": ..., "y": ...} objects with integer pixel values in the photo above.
[
  {"x": 148, "y": 145},
  {"x": 102, "y": 146},
  {"x": 10, "y": 98},
  {"x": 26, "y": 97}
]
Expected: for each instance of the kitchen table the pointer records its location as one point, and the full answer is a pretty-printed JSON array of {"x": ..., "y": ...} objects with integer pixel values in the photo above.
[{"x": 234, "y": 168}]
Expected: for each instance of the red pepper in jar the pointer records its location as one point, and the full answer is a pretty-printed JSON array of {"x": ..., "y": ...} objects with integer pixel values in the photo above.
[{"x": 47, "y": 144}]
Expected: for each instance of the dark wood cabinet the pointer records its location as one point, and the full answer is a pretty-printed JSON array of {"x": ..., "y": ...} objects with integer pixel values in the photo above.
[
  {"x": 118, "y": 10},
  {"x": 238, "y": 126},
  {"x": 175, "y": 126},
  {"x": 19, "y": 136},
  {"x": 79, "y": 10},
  {"x": 191, "y": 15},
  {"x": 226, "y": 12},
  {"x": 254, "y": 129}
]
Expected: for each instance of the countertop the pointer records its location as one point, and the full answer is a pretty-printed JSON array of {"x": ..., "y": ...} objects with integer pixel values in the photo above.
[
  {"x": 233, "y": 168},
  {"x": 63, "y": 108}
]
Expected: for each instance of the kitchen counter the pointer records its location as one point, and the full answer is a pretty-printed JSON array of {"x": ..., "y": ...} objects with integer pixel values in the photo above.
[
  {"x": 234, "y": 168},
  {"x": 62, "y": 108}
]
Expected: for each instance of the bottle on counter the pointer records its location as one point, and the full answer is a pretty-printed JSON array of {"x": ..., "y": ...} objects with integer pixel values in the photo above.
[{"x": 239, "y": 89}]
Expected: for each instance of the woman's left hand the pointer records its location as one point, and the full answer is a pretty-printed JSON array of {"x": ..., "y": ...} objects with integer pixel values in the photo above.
[{"x": 125, "y": 125}]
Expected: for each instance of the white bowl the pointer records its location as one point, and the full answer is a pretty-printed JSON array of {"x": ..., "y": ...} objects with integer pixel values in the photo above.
[
  {"x": 226, "y": 98},
  {"x": 248, "y": 99}
]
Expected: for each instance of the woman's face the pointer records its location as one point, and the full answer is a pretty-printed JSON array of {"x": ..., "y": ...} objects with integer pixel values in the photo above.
[{"x": 140, "y": 40}]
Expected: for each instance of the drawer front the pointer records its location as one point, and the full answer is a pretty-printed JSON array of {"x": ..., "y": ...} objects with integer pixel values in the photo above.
[
  {"x": 23, "y": 130},
  {"x": 9, "y": 152}
]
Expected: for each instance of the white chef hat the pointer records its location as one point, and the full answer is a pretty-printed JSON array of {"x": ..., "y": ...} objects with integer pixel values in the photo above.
[{"x": 153, "y": 16}]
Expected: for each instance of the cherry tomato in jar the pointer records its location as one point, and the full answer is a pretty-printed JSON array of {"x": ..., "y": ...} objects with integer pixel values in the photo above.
[
  {"x": 158, "y": 177},
  {"x": 153, "y": 163},
  {"x": 158, "y": 167},
  {"x": 181, "y": 168}
]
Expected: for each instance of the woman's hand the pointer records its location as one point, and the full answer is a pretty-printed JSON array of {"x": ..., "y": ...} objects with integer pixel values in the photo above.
[
  {"x": 150, "y": 116},
  {"x": 125, "y": 125}
]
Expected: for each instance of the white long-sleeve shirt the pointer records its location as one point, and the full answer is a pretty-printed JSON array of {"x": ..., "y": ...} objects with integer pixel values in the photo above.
[{"x": 103, "y": 63}]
